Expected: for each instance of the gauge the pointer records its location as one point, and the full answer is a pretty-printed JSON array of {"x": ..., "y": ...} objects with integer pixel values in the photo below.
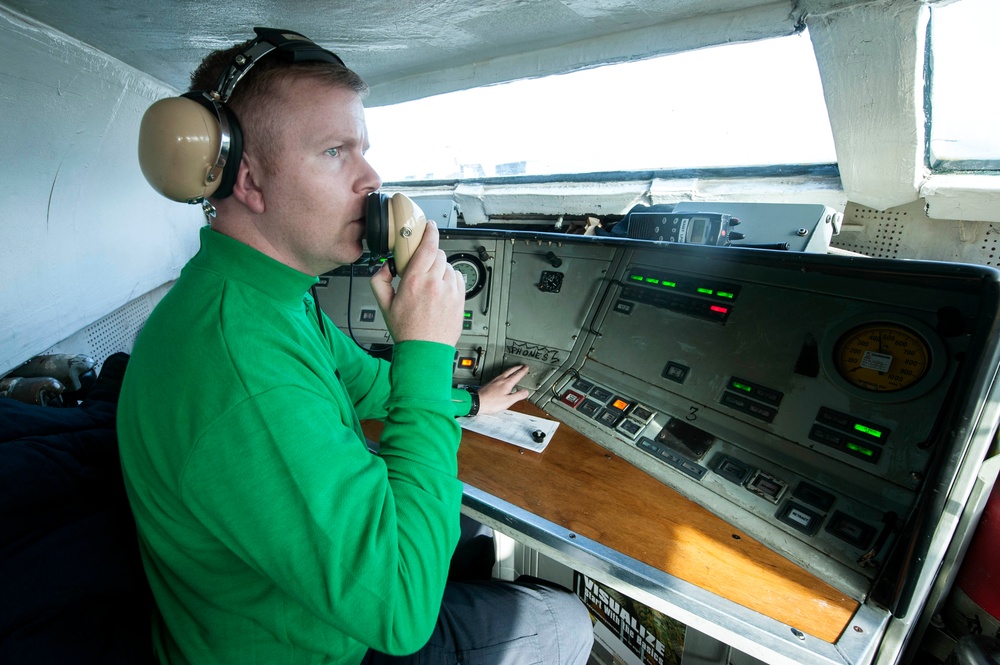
[
  {"x": 885, "y": 359},
  {"x": 472, "y": 269}
]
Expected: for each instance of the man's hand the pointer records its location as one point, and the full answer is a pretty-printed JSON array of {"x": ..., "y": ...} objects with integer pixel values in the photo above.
[
  {"x": 429, "y": 303},
  {"x": 498, "y": 395}
]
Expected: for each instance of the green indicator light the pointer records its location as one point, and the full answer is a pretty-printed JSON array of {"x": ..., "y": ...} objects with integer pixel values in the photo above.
[
  {"x": 725, "y": 294},
  {"x": 741, "y": 386},
  {"x": 869, "y": 431},
  {"x": 468, "y": 314},
  {"x": 652, "y": 280},
  {"x": 858, "y": 449},
  {"x": 707, "y": 292},
  {"x": 637, "y": 278},
  {"x": 670, "y": 284}
]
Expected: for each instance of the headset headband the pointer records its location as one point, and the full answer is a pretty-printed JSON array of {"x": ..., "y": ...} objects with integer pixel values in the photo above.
[{"x": 293, "y": 46}]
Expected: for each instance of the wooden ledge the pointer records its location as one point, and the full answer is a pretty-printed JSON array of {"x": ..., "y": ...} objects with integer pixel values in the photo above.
[{"x": 582, "y": 487}]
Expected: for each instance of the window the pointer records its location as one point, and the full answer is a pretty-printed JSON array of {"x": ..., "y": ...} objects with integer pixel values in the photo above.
[
  {"x": 753, "y": 104},
  {"x": 964, "y": 99}
]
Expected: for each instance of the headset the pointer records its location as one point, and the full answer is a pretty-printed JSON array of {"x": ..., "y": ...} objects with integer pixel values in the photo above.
[{"x": 190, "y": 147}]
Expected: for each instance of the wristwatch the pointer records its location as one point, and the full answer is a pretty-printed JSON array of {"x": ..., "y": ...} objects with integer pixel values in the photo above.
[{"x": 475, "y": 403}]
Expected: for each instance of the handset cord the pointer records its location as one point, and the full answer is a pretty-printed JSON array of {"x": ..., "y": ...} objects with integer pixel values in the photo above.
[
  {"x": 350, "y": 293},
  {"x": 350, "y": 298}
]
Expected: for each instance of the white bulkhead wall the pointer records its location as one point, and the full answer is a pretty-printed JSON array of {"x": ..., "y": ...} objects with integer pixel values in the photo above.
[
  {"x": 81, "y": 232},
  {"x": 871, "y": 61}
]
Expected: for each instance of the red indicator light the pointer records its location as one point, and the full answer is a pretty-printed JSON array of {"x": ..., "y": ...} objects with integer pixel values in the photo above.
[{"x": 719, "y": 309}]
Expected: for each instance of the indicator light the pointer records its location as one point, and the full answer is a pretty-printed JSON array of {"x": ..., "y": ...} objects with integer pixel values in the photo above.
[
  {"x": 868, "y": 430},
  {"x": 465, "y": 362},
  {"x": 741, "y": 386},
  {"x": 719, "y": 310},
  {"x": 707, "y": 292},
  {"x": 859, "y": 449},
  {"x": 652, "y": 280},
  {"x": 670, "y": 284},
  {"x": 620, "y": 404},
  {"x": 637, "y": 278},
  {"x": 725, "y": 294},
  {"x": 468, "y": 314}
]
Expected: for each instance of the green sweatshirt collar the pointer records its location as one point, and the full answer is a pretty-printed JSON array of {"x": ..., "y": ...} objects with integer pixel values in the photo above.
[{"x": 232, "y": 258}]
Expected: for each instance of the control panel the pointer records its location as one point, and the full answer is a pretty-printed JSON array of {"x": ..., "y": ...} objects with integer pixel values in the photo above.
[{"x": 817, "y": 402}]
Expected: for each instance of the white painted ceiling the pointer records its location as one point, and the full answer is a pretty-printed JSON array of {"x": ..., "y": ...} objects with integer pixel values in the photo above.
[{"x": 407, "y": 49}]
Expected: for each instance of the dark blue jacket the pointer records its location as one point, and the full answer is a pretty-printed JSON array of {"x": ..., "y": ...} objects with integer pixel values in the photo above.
[{"x": 72, "y": 590}]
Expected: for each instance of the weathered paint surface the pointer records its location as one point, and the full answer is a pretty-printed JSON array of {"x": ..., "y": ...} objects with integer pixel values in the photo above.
[{"x": 82, "y": 232}]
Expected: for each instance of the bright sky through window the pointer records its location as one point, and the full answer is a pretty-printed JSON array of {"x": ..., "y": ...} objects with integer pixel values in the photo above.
[
  {"x": 965, "y": 124},
  {"x": 751, "y": 104}
]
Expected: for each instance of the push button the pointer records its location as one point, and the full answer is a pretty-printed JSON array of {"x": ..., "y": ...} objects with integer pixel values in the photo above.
[
  {"x": 814, "y": 496},
  {"x": 642, "y": 413},
  {"x": 735, "y": 401},
  {"x": 630, "y": 427},
  {"x": 851, "y": 531},
  {"x": 799, "y": 517},
  {"x": 675, "y": 372},
  {"x": 609, "y": 417},
  {"x": 731, "y": 469},
  {"x": 767, "y": 486},
  {"x": 571, "y": 398},
  {"x": 600, "y": 394}
]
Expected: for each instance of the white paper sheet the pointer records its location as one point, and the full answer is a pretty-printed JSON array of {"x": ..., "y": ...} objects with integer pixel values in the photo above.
[{"x": 512, "y": 427}]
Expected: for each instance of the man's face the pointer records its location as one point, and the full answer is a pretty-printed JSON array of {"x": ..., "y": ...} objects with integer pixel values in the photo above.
[{"x": 314, "y": 191}]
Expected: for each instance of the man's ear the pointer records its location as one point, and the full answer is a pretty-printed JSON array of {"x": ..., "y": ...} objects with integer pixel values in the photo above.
[{"x": 247, "y": 190}]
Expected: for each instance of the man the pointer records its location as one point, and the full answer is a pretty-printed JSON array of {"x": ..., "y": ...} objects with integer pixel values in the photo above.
[{"x": 268, "y": 531}]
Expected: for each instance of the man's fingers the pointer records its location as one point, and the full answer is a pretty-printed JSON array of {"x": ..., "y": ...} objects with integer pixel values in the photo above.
[{"x": 381, "y": 283}]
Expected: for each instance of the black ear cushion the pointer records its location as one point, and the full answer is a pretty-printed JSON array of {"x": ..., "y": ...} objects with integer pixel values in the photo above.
[
  {"x": 377, "y": 224},
  {"x": 235, "y": 155}
]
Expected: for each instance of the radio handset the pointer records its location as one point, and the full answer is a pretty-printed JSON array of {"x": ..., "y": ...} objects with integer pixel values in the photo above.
[{"x": 395, "y": 226}]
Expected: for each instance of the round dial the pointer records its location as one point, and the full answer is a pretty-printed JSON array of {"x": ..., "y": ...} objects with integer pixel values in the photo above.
[
  {"x": 472, "y": 269},
  {"x": 882, "y": 357}
]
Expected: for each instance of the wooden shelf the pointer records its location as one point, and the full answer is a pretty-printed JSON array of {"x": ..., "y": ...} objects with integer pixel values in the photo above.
[{"x": 582, "y": 487}]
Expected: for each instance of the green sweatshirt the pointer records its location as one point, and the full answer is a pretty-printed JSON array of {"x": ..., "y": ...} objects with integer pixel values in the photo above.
[{"x": 269, "y": 533}]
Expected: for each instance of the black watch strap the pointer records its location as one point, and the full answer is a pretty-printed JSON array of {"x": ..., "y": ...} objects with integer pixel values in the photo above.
[{"x": 475, "y": 403}]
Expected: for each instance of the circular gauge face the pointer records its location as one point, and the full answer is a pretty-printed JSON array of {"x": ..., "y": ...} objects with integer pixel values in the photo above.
[
  {"x": 890, "y": 359},
  {"x": 883, "y": 357},
  {"x": 473, "y": 270}
]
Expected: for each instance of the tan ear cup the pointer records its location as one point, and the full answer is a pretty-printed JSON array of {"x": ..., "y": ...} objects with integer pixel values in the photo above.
[
  {"x": 406, "y": 228},
  {"x": 178, "y": 148}
]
